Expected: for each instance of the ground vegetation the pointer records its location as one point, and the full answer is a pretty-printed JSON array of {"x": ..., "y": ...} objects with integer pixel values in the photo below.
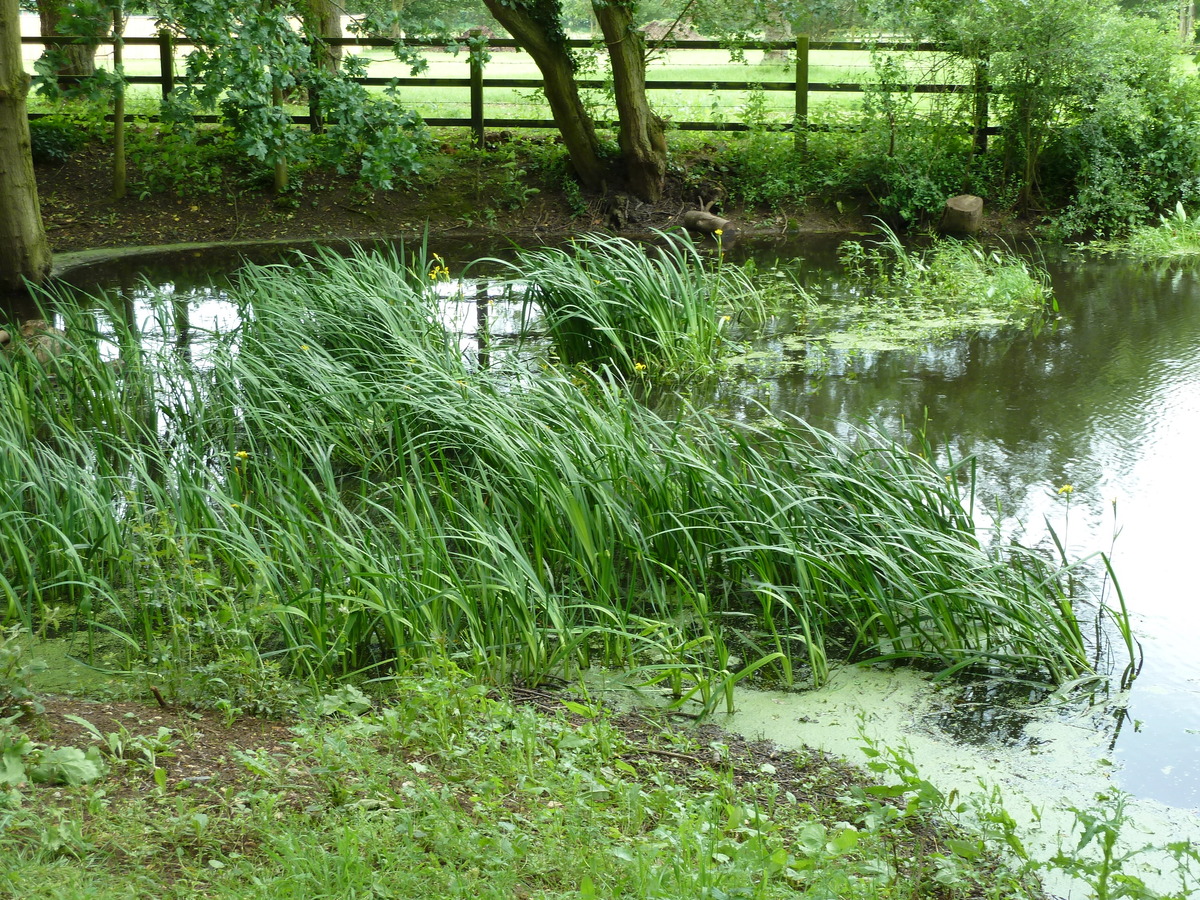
[{"x": 435, "y": 786}]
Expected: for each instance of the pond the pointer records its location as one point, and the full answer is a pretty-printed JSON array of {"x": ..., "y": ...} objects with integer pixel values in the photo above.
[
  {"x": 1107, "y": 400},
  {"x": 1104, "y": 398}
]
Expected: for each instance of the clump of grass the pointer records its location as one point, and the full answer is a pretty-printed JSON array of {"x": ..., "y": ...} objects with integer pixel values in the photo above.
[
  {"x": 335, "y": 491},
  {"x": 1175, "y": 236},
  {"x": 656, "y": 311},
  {"x": 953, "y": 283}
]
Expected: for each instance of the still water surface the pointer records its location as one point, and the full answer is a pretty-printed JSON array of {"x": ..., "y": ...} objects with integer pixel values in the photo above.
[{"x": 1106, "y": 398}]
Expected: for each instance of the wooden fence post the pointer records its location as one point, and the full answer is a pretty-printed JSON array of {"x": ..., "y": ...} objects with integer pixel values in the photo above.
[
  {"x": 118, "y": 31},
  {"x": 476, "y": 57},
  {"x": 317, "y": 54},
  {"x": 980, "y": 124},
  {"x": 800, "y": 127},
  {"x": 166, "y": 61}
]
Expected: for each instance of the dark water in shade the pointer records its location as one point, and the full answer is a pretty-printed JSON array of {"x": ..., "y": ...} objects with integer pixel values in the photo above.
[{"x": 1105, "y": 398}]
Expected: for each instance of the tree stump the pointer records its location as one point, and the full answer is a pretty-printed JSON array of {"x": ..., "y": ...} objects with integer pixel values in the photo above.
[
  {"x": 704, "y": 222},
  {"x": 962, "y": 215}
]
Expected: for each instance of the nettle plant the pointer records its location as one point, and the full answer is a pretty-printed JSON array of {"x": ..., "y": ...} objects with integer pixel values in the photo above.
[{"x": 250, "y": 60}]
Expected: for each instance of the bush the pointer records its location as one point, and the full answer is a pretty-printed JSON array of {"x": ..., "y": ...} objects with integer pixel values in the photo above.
[
  {"x": 55, "y": 138},
  {"x": 179, "y": 159},
  {"x": 1095, "y": 117}
]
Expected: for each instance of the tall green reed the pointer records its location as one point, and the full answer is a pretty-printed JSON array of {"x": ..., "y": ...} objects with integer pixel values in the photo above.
[
  {"x": 960, "y": 277},
  {"x": 656, "y": 311},
  {"x": 334, "y": 489}
]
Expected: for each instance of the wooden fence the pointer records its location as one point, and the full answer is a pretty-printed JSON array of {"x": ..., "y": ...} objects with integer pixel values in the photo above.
[{"x": 476, "y": 82}]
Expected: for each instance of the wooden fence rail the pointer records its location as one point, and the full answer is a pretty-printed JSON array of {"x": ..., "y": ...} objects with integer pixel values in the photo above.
[{"x": 476, "y": 82}]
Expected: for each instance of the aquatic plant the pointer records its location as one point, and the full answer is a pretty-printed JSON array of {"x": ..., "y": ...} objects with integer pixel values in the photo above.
[
  {"x": 655, "y": 311},
  {"x": 1174, "y": 236},
  {"x": 956, "y": 281},
  {"x": 335, "y": 490}
]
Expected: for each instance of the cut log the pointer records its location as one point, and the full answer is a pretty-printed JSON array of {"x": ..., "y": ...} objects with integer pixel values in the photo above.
[
  {"x": 962, "y": 215},
  {"x": 703, "y": 222}
]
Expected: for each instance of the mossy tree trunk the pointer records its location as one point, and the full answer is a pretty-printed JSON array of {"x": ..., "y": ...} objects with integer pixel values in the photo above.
[
  {"x": 118, "y": 33},
  {"x": 24, "y": 250},
  {"x": 322, "y": 22},
  {"x": 641, "y": 138},
  {"x": 535, "y": 25}
]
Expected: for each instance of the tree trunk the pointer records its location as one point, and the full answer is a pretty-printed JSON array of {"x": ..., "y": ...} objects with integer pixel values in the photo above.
[
  {"x": 641, "y": 138},
  {"x": 535, "y": 26},
  {"x": 280, "y": 182},
  {"x": 119, "y": 171},
  {"x": 24, "y": 250},
  {"x": 397, "y": 9},
  {"x": 777, "y": 28},
  {"x": 323, "y": 20},
  {"x": 78, "y": 54}
]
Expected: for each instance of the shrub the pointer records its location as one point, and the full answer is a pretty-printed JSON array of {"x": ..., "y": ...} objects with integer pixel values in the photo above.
[{"x": 55, "y": 139}]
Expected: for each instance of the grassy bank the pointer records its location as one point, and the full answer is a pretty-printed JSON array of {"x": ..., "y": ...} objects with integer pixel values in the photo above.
[{"x": 443, "y": 789}]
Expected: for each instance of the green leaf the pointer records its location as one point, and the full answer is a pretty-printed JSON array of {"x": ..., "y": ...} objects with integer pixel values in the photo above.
[
  {"x": 86, "y": 725},
  {"x": 572, "y": 742},
  {"x": 579, "y": 709},
  {"x": 965, "y": 849},
  {"x": 68, "y": 764},
  {"x": 844, "y": 841}
]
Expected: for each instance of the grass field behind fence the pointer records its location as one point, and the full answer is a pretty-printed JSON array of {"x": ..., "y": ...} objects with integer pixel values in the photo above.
[{"x": 711, "y": 105}]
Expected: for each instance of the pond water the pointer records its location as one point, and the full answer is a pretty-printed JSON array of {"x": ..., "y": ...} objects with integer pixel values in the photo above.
[{"x": 1105, "y": 398}]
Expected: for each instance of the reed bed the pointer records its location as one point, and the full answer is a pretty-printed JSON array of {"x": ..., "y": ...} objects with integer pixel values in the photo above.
[
  {"x": 1173, "y": 236},
  {"x": 333, "y": 490},
  {"x": 955, "y": 276},
  {"x": 654, "y": 312}
]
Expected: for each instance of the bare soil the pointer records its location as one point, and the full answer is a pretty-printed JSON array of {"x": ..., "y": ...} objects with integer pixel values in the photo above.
[
  {"x": 206, "y": 751},
  {"x": 462, "y": 193}
]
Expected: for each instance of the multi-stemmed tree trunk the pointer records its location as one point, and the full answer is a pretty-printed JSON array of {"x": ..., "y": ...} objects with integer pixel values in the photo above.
[
  {"x": 536, "y": 26},
  {"x": 641, "y": 138},
  {"x": 67, "y": 36},
  {"x": 24, "y": 250}
]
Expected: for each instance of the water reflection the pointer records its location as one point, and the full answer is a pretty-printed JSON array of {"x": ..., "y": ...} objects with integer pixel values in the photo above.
[{"x": 1106, "y": 400}]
